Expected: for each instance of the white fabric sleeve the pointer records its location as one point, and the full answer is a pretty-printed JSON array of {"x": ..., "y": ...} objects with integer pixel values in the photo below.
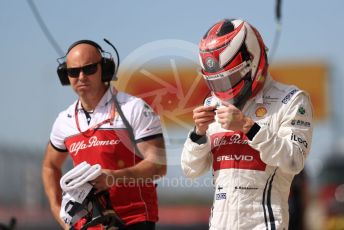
[
  {"x": 288, "y": 147},
  {"x": 57, "y": 135},
  {"x": 145, "y": 122},
  {"x": 196, "y": 159}
]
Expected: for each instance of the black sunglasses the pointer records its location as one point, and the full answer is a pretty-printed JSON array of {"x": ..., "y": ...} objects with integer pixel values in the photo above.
[{"x": 87, "y": 70}]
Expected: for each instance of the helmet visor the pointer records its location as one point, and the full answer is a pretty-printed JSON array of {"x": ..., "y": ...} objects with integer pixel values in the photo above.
[{"x": 224, "y": 81}]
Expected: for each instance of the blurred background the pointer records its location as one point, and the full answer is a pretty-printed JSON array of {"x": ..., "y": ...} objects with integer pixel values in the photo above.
[{"x": 157, "y": 42}]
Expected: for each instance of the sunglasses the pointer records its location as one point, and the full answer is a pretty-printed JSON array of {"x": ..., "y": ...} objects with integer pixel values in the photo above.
[{"x": 87, "y": 70}]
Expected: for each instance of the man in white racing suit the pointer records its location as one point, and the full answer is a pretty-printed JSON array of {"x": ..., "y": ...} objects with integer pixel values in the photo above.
[{"x": 254, "y": 132}]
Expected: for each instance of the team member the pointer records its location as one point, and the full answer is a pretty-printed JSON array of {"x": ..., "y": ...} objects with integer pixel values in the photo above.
[
  {"x": 254, "y": 132},
  {"x": 92, "y": 129}
]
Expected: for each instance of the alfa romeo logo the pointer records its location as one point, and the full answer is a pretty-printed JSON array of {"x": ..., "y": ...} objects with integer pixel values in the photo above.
[{"x": 211, "y": 64}]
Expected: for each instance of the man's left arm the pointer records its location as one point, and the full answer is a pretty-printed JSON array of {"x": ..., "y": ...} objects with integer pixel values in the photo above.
[
  {"x": 153, "y": 165},
  {"x": 287, "y": 145},
  {"x": 150, "y": 145}
]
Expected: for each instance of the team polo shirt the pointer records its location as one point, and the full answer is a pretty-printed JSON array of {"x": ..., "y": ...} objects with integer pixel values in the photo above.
[{"x": 110, "y": 146}]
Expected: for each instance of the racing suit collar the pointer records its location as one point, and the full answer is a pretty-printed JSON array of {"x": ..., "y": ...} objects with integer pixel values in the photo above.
[{"x": 259, "y": 99}]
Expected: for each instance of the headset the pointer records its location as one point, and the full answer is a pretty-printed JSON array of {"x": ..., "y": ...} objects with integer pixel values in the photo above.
[{"x": 108, "y": 65}]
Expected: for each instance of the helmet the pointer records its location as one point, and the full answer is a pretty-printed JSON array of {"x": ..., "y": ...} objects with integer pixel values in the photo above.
[
  {"x": 95, "y": 209},
  {"x": 233, "y": 60}
]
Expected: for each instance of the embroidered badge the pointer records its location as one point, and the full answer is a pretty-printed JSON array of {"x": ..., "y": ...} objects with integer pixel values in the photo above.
[{"x": 301, "y": 110}]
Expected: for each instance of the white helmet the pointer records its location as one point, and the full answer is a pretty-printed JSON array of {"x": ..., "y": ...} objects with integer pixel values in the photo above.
[{"x": 233, "y": 59}]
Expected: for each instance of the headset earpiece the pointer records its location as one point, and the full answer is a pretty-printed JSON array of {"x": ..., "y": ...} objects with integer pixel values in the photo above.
[
  {"x": 62, "y": 73},
  {"x": 108, "y": 70},
  {"x": 107, "y": 64}
]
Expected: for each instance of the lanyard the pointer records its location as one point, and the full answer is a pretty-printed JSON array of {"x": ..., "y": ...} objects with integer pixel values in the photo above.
[{"x": 97, "y": 125}]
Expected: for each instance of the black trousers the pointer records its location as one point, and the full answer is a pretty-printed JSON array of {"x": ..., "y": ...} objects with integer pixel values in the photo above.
[{"x": 147, "y": 225}]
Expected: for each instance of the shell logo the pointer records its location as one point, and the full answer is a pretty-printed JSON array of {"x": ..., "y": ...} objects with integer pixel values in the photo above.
[{"x": 261, "y": 111}]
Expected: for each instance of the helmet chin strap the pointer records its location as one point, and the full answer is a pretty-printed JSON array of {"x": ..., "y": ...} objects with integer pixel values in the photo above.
[{"x": 244, "y": 94}]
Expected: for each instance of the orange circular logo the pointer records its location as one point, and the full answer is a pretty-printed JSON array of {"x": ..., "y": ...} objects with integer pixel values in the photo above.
[
  {"x": 261, "y": 111},
  {"x": 120, "y": 164}
]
